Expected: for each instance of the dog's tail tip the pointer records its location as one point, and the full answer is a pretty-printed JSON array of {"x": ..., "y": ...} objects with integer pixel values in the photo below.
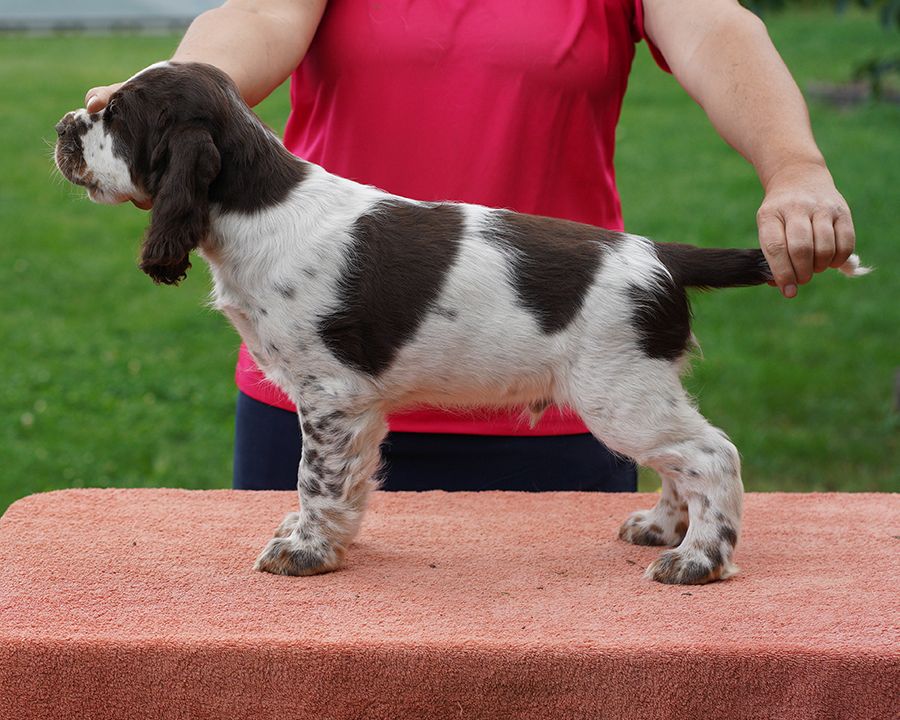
[{"x": 852, "y": 267}]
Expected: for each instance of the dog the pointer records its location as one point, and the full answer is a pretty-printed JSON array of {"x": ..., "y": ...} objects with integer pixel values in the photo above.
[{"x": 357, "y": 302}]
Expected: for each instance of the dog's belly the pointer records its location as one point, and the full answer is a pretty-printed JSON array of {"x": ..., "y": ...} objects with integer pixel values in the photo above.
[
  {"x": 513, "y": 392},
  {"x": 477, "y": 360}
]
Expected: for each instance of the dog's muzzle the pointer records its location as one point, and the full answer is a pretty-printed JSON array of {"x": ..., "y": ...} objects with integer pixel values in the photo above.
[{"x": 69, "y": 153}]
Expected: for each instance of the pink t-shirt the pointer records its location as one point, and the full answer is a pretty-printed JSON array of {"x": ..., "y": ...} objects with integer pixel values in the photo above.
[{"x": 505, "y": 103}]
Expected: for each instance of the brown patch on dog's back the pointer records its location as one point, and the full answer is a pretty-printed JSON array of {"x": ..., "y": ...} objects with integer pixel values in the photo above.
[
  {"x": 554, "y": 262},
  {"x": 402, "y": 253}
]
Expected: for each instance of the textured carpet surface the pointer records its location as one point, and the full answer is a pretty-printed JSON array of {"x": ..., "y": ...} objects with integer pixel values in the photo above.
[{"x": 144, "y": 604}]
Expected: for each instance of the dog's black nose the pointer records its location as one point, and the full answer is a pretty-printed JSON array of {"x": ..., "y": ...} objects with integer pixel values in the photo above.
[{"x": 66, "y": 124}]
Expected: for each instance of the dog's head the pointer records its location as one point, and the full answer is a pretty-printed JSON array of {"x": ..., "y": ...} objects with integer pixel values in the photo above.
[{"x": 159, "y": 139}]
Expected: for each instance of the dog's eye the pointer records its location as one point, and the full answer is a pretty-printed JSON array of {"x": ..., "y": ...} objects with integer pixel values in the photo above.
[{"x": 111, "y": 110}]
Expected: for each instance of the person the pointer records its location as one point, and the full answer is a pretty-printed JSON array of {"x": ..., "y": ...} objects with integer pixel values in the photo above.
[{"x": 509, "y": 104}]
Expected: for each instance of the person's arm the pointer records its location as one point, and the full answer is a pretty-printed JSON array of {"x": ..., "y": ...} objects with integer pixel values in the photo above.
[
  {"x": 256, "y": 42},
  {"x": 722, "y": 55}
]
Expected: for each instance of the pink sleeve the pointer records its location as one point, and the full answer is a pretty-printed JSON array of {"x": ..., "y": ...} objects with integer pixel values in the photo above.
[{"x": 640, "y": 34}]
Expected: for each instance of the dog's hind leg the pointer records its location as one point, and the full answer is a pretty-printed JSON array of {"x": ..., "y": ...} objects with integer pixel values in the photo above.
[
  {"x": 706, "y": 468},
  {"x": 644, "y": 413},
  {"x": 341, "y": 456}
]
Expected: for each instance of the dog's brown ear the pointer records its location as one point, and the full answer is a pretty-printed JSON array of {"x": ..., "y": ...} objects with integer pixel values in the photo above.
[{"x": 184, "y": 165}]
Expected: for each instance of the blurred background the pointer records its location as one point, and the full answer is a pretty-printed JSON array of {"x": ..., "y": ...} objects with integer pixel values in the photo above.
[{"x": 112, "y": 381}]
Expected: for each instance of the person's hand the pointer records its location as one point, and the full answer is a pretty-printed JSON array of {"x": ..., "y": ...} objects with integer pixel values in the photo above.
[
  {"x": 804, "y": 225},
  {"x": 95, "y": 100}
]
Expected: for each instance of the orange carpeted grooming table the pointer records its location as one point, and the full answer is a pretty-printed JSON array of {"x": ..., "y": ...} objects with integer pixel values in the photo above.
[{"x": 143, "y": 604}]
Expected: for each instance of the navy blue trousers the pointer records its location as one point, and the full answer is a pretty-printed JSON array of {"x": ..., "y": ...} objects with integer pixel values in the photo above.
[{"x": 267, "y": 452}]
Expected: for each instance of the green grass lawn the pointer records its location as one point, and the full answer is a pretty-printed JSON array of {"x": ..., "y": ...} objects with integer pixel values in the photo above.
[{"x": 110, "y": 380}]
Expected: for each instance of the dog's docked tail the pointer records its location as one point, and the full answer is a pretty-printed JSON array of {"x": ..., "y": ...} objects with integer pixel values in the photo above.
[{"x": 691, "y": 266}]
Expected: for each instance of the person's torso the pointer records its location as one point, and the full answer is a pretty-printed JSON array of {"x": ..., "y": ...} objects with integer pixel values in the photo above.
[{"x": 504, "y": 103}]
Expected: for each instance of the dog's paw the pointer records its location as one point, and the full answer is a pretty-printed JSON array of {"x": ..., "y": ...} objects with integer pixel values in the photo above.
[
  {"x": 642, "y": 528},
  {"x": 287, "y": 556},
  {"x": 689, "y": 566}
]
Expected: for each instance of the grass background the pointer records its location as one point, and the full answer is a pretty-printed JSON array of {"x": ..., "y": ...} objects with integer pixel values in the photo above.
[{"x": 111, "y": 381}]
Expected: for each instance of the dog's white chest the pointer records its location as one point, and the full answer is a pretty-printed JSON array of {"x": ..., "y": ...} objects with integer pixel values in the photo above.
[{"x": 245, "y": 326}]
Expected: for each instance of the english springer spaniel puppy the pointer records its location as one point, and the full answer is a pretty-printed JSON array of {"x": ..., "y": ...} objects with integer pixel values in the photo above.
[{"x": 357, "y": 302}]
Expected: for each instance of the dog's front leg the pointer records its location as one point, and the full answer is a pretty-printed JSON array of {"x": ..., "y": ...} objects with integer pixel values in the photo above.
[{"x": 341, "y": 455}]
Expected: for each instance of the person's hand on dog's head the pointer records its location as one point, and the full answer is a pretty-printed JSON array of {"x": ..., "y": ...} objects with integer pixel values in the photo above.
[{"x": 95, "y": 100}]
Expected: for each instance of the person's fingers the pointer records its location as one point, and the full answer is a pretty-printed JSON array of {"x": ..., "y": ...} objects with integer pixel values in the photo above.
[
  {"x": 844, "y": 239},
  {"x": 799, "y": 236},
  {"x": 97, "y": 98},
  {"x": 823, "y": 236},
  {"x": 816, "y": 227},
  {"x": 773, "y": 242}
]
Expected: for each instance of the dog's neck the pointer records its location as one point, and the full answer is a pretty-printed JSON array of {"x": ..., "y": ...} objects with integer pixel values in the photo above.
[{"x": 257, "y": 170}]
